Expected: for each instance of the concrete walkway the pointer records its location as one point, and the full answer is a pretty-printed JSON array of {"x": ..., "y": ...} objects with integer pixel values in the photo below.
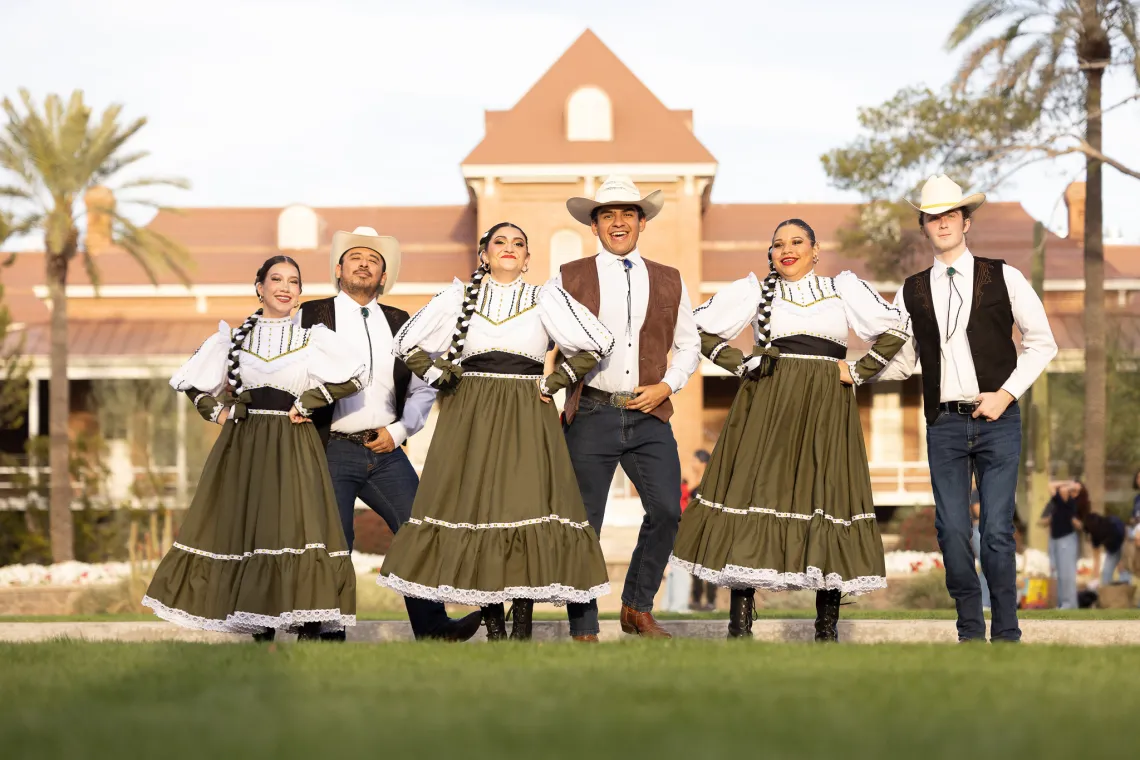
[{"x": 1073, "y": 632}]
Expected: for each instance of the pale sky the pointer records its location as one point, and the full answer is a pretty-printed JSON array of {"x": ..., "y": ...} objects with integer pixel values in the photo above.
[{"x": 354, "y": 102}]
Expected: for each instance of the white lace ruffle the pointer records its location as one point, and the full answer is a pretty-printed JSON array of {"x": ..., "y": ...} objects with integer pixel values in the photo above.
[
  {"x": 787, "y": 515},
  {"x": 249, "y": 622},
  {"x": 247, "y": 555},
  {"x": 738, "y": 576},
  {"x": 555, "y": 593},
  {"x": 516, "y": 524}
]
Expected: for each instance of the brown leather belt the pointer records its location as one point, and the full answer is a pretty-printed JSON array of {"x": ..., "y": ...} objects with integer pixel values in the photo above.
[
  {"x": 617, "y": 399},
  {"x": 360, "y": 439}
]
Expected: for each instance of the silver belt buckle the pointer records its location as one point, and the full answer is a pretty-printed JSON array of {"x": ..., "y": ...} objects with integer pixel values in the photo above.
[
  {"x": 621, "y": 399},
  {"x": 967, "y": 406}
]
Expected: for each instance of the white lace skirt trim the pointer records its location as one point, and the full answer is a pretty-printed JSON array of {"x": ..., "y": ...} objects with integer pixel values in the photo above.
[
  {"x": 247, "y": 555},
  {"x": 787, "y": 515},
  {"x": 555, "y": 593},
  {"x": 737, "y": 576},
  {"x": 516, "y": 524},
  {"x": 249, "y": 622}
]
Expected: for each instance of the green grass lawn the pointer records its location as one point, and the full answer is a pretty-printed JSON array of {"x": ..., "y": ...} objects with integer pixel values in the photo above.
[
  {"x": 678, "y": 699},
  {"x": 849, "y": 612}
]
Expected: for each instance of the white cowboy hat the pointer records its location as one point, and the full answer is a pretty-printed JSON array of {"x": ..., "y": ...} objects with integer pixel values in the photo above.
[
  {"x": 616, "y": 191},
  {"x": 941, "y": 194},
  {"x": 366, "y": 237}
]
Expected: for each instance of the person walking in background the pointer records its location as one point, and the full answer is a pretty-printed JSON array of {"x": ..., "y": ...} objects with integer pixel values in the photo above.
[
  {"x": 702, "y": 596},
  {"x": 964, "y": 309},
  {"x": 976, "y": 544},
  {"x": 1061, "y": 517}
]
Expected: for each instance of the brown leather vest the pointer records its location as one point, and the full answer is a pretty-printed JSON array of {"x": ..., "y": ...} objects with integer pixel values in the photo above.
[{"x": 580, "y": 279}]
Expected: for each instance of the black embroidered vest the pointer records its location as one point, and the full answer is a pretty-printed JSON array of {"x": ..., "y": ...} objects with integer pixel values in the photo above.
[
  {"x": 989, "y": 331},
  {"x": 323, "y": 312}
]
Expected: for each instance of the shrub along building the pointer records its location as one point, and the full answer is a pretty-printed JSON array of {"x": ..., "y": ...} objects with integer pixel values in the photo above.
[{"x": 589, "y": 116}]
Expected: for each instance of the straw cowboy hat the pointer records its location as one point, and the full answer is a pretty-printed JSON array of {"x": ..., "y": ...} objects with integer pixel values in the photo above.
[
  {"x": 616, "y": 191},
  {"x": 366, "y": 237},
  {"x": 941, "y": 194}
]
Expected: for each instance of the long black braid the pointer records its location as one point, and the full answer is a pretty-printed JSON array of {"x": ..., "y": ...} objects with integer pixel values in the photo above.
[
  {"x": 768, "y": 285},
  {"x": 463, "y": 323},
  {"x": 233, "y": 371}
]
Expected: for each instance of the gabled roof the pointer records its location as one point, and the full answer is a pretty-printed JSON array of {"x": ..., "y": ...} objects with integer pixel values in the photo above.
[{"x": 534, "y": 131}]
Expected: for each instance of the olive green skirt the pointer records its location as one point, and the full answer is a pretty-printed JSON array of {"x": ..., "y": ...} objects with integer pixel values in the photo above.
[
  {"x": 262, "y": 545},
  {"x": 498, "y": 514},
  {"x": 786, "y": 500}
]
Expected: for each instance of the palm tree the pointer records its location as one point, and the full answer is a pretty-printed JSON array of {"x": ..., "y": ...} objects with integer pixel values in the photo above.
[
  {"x": 1056, "y": 53},
  {"x": 59, "y": 158}
]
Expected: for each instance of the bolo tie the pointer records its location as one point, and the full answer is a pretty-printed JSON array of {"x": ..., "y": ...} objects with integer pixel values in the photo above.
[
  {"x": 628, "y": 298},
  {"x": 951, "y": 272},
  {"x": 364, "y": 313}
]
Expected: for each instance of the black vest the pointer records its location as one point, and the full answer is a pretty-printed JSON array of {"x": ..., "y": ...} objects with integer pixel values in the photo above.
[
  {"x": 323, "y": 312},
  {"x": 989, "y": 331}
]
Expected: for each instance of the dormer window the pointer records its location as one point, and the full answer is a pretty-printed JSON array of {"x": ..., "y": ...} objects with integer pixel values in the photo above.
[
  {"x": 298, "y": 229},
  {"x": 589, "y": 116}
]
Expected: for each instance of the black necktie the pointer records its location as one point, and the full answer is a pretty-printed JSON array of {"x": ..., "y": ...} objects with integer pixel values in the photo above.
[{"x": 364, "y": 313}]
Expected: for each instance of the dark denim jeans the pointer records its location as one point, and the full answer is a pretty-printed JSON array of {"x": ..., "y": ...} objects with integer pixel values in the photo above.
[
  {"x": 387, "y": 484},
  {"x": 599, "y": 439},
  {"x": 957, "y": 447}
]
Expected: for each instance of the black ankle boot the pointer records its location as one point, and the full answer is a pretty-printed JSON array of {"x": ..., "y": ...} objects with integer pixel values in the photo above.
[
  {"x": 827, "y": 614},
  {"x": 521, "y": 613},
  {"x": 495, "y": 621},
  {"x": 265, "y": 636},
  {"x": 740, "y": 613}
]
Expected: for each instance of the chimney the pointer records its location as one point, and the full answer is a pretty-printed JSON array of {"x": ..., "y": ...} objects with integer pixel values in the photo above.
[
  {"x": 1075, "y": 202},
  {"x": 100, "y": 203}
]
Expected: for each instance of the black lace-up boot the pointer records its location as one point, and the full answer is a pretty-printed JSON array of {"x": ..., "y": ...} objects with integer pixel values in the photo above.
[
  {"x": 740, "y": 613},
  {"x": 827, "y": 614},
  {"x": 496, "y": 622},
  {"x": 521, "y": 618}
]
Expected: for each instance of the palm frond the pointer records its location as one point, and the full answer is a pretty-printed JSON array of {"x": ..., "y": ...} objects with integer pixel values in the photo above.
[
  {"x": 149, "y": 248},
  {"x": 976, "y": 16},
  {"x": 177, "y": 182}
]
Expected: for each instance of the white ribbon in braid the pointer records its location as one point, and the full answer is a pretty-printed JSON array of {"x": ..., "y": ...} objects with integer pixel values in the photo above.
[
  {"x": 234, "y": 367},
  {"x": 465, "y": 313},
  {"x": 764, "y": 310}
]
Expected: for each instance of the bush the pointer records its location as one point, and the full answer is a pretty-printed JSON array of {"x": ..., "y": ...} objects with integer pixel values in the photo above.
[
  {"x": 917, "y": 533},
  {"x": 925, "y": 591}
]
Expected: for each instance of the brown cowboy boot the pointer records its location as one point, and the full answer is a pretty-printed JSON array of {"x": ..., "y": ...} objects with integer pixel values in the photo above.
[
  {"x": 586, "y": 638},
  {"x": 642, "y": 624}
]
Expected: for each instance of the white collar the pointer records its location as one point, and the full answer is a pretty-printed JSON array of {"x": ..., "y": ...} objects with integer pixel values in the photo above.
[
  {"x": 344, "y": 300},
  {"x": 809, "y": 277},
  {"x": 609, "y": 259},
  {"x": 963, "y": 266},
  {"x": 513, "y": 283}
]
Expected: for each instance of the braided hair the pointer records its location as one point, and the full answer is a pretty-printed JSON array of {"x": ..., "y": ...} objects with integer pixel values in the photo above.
[
  {"x": 768, "y": 285},
  {"x": 233, "y": 371},
  {"x": 472, "y": 292}
]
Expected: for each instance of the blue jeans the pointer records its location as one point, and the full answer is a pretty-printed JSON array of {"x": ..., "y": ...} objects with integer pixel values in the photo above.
[
  {"x": 976, "y": 545},
  {"x": 1108, "y": 568},
  {"x": 387, "y": 483},
  {"x": 600, "y": 437},
  {"x": 1064, "y": 552},
  {"x": 959, "y": 446}
]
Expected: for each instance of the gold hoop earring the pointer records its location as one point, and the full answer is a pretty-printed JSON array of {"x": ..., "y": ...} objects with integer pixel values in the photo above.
[{"x": 526, "y": 269}]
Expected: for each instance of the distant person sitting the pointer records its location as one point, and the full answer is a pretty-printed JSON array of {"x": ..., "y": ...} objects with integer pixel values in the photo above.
[
  {"x": 1107, "y": 532},
  {"x": 1060, "y": 516}
]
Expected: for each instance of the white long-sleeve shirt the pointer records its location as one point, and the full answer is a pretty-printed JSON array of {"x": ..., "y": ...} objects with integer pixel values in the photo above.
[
  {"x": 624, "y": 302},
  {"x": 375, "y": 406},
  {"x": 959, "y": 381}
]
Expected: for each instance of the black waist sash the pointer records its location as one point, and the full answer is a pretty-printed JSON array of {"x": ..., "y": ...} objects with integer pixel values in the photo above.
[
  {"x": 810, "y": 345},
  {"x": 502, "y": 363},
  {"x": 270, "y": 399}
]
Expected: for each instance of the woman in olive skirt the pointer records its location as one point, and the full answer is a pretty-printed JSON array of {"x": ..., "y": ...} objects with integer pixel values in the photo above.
[
  {"x": 786, "y": 500},
  {"x": 498, "y": 516},
  {"x": 261, "y": 548}
]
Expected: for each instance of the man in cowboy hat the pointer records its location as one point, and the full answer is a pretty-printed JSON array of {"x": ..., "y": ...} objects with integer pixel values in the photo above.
[
  {"x": 363, "y": 434},
  {"x": 963, "y": 309},
  {"x": 620, "y": 411}
]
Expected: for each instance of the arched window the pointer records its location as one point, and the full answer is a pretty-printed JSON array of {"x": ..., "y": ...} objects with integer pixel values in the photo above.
[
  {"x": 565, "y": 246},
  {"x": 298, "y": 229},
  {"x": 589, "y": 116}
]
